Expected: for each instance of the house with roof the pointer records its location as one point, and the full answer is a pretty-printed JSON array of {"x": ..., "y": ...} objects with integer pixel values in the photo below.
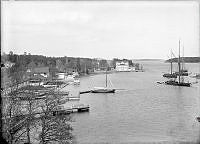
[
  {"x": 8, "y": 64},
  {"x": 122, "y": 66},
  {"x": 38, "y": 75},
  {"x": 43, "y": 71},
  {"x": 37, "y": 79}
]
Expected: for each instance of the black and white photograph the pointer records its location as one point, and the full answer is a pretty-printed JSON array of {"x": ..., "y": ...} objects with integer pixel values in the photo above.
[{"x": 100, "y": 72}]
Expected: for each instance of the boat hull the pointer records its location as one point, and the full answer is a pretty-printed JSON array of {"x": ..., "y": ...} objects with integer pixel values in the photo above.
[
  {"x": 170, "y": 75},
  {"x": 182, "y": 73},
  {"x": 103, "y": 91},
  {"x": 83, "y": 109},
  {"x": 175, "y": 83}
]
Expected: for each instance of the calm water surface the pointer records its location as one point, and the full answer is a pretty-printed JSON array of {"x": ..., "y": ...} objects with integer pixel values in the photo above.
[{"x": 145, "y": 112}]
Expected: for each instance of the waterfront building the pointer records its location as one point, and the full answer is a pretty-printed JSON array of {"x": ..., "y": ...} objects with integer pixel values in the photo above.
[
  {"x": 44, "y": 71},
  {"x": 61, "y": 75},
  {"x": 122, "y": 66},
  {"x": 37, "y": 80},
  {"x": 8, "y": 64}
]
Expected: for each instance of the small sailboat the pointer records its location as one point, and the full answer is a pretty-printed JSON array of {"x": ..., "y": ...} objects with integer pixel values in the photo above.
[
  {"x": 179, "y": 82},
  {"x": 103, "y": 89}
]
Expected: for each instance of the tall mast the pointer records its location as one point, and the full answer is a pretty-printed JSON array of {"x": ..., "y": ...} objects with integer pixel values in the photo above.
[
  {"x": 171, "y": 62},
  {"x": 182, "y": 60},
  {"x": 179, "y": 65},
  {"x": 106, "y": 77},
  {"x": 85, "y": 68}
]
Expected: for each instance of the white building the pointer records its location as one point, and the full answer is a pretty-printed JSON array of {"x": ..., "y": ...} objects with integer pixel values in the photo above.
[
  {"x": 122, "y": 66},
  {"x": 61, "y": 76}
]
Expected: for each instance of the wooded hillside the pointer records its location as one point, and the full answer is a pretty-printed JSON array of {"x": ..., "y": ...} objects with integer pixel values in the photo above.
[{"x": 186, "y": 59}]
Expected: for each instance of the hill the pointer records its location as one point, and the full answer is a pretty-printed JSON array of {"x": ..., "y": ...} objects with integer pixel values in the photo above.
[{"x": 186, "y": 59}]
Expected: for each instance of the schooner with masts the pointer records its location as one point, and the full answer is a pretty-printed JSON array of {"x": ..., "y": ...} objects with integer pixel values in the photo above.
[{"x": 180, "y": 73}]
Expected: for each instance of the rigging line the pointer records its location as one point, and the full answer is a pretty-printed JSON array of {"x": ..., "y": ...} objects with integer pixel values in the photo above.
[
  {"x": 183, "y": 62},
  {"x": 111, "y": 83},
  {"x": 173, "y": 54}
]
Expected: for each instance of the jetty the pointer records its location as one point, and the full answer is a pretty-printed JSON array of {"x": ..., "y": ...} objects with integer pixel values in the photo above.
[
  {"x": 75, "y": 108},
  {"x": 80, "y": 108}
]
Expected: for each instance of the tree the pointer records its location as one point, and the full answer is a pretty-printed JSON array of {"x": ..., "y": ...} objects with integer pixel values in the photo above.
[
  {"x": 54, "y": 128},
  {"x": 78, "y": 65},
  {"x": 59, "y": 65},
  {"x": 11, "y": 108},
  {"x": 103, "y": 64},
  {"x": 130, "y": 62}
]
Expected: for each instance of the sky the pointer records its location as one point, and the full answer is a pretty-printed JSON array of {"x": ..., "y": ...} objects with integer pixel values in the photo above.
[{"x": 101, "y": 29}]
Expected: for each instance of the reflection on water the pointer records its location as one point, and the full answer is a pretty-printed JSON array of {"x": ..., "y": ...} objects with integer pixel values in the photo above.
[{"x": 144, "y": 112}]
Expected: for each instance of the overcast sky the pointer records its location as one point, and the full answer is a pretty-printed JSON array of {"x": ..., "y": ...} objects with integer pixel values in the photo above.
[{"x": 100, "y": 29}]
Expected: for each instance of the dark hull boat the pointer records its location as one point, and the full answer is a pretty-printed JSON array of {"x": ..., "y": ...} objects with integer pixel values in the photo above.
[
  {"x": 175, "y": 83},
  {"x": 170, "y": 75},
  {"x": 103, "y": 90},
  {"x": 182, "y": 73}
]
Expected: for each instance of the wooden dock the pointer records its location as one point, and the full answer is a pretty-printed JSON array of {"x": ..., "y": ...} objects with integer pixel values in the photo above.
[
  {"x": 73, "y": 109},
  {"x": 81, "y": 108}
]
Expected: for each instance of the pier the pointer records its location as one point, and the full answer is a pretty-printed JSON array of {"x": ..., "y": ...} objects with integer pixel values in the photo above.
[{"x": 73, "y": 109}]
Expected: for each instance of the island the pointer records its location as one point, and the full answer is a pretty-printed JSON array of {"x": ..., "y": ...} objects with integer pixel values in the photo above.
[{"x": 185, "y": 59}]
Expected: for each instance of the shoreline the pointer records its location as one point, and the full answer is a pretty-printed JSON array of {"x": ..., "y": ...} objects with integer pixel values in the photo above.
[{"x": 108, "y": 72}]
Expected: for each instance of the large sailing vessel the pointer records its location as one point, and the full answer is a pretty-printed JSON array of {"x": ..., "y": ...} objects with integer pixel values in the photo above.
[
  {"x": 179, "y": 82},
  {"x": 103, "y": 89}
]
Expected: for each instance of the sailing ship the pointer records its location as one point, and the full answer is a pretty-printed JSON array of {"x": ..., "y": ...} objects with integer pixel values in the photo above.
[
  {"x": 179, "y": 82},
  {"x": 183, "y": 71},
  {"x": 103, "y": 89},
  {"x": 171, "y": 74}
]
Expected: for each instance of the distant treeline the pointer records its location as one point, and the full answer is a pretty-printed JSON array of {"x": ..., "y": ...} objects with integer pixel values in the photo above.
[
  {"x": 28, "y": 61},
  {"x": 185, "y": 59},
  {"x": 59, "y": 64}
]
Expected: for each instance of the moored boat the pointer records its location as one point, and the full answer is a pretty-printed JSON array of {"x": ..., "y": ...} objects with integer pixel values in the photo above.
[
  {"x": 176, "y": 83},
  {"x": 103, "y": 90},
  {"x": 180, "y": 73},
  {"x": 167, "y": 75}
]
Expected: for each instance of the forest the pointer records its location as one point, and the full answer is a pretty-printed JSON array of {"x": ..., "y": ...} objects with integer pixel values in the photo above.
[{"x": 185, "y": 59}]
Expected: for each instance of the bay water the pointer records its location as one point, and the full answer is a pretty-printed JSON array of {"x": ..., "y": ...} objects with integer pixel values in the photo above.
[{"x": 141, "y": 111}]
